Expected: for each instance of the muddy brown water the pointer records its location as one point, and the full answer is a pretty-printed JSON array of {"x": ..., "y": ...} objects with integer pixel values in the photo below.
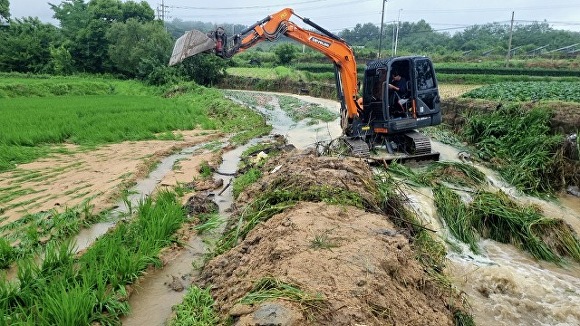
[
  {"x": 158, "y": 291},
  {"x": 504, "y": 286}
]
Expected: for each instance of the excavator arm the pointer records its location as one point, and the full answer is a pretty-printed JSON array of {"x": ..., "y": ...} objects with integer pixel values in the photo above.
[{"x": 270, "y": 29}]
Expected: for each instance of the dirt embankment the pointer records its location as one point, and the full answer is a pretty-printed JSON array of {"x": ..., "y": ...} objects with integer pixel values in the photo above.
[
  {"x": 357, "y": 263},
  {"x": 566, "y": 119}
]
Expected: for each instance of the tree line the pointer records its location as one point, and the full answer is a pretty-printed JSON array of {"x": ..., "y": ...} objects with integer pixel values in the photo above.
[
  {"x": 124, "y": 39},
  {"x": 99, "y": 37},
  {"x": 420, "y": 37}
]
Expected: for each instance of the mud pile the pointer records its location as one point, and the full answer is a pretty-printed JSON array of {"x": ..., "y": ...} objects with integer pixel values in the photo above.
[{"x": 358, "y": 265}]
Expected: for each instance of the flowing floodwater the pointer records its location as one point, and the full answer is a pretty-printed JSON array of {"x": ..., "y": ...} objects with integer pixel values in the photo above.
[{"x": 504, "y": 286}]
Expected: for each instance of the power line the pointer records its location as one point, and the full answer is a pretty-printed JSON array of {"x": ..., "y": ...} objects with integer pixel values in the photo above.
[{"x": 246, "y": 7}]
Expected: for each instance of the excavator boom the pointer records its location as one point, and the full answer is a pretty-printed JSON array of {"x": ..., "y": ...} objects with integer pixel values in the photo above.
[{"x": 270, "y": 29}]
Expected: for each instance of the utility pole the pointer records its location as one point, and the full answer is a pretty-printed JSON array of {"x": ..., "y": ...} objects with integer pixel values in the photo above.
[
  {"x": 397, "y": 36},
  {"x": 381, "y": 37},
  {"x": 507, "y": 63}
]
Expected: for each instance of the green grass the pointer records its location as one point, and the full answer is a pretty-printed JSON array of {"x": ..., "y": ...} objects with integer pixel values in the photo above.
[
  {"x": 266, "y": 73},
  {"x": 243, "y": 181},
  {"x": 196, "y": 309},
  {"x": 506, "y": 137},
  {"x": 270, "y": 288},
  {"x": 64, "y": 289},
  {"x": 34, "y": 124}
]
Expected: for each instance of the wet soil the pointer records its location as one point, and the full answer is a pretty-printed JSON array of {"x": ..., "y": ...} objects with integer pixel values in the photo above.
[{"x": 357, "y": 260}]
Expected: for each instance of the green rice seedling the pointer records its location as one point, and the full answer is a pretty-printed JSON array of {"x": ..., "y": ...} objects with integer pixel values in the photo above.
[
  {"x": 243, "y": 181},
  {"x": 269, "y": 288},
  {"x": 197, "y": 309},
  {"x": 66, "y": 304},
  {"x": 209, "y": 222},
  {"x": 58, "y": 257},
  {"x": 7, "y": 253},
  {"x": 205, "y": 171},
  {"x": 458, "y": 218}
]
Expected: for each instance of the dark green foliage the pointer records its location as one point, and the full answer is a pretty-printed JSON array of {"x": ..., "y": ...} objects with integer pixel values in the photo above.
[
  {"x": 137, "y": 49},
  {"x": 529, "y": 91},
  {"x": 4, "y": 9},
  {"x": 285, "y": 52},
  {"x": 205, "y": 69},
  {"x": 26, "y": 45},
  {"x": 519, "y": 143}
]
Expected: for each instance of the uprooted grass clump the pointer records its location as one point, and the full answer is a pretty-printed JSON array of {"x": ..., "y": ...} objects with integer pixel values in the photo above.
[
  {"x": 268, "y": 288},
  {"x": 496, "y": 216},
  {"x": 455, "y": 173},
  {"x": 196, "y": 309},
  {"x": 520, "y": 145},
  {"x": 491, "y": 215}
]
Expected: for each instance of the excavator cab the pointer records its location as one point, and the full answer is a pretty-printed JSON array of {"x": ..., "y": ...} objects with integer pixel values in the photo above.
[{"x": 390, "y": 117}]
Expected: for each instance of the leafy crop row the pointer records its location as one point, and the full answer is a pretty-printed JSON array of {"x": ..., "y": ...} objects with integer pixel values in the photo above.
[{"x": 528, "y": 91}]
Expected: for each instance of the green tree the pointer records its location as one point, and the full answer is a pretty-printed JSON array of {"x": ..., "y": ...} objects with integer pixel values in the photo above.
[
  {"x": 136, "y": 48},
  {"x": 205, "y": 68},
  {"x": 61, "y": 62},
  {"x": 86, "y": 24},
  {"x": 4, "y": 10},
  {"x": 285, "y": 53},
  {"x": 26, "y": 45}
]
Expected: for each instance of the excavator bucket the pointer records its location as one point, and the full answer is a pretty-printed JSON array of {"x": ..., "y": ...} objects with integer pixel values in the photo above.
[{"x": 190, "y": 44}]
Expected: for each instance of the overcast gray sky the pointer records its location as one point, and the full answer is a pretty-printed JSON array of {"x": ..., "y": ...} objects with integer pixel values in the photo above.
[{"x": 336, "y": 15}]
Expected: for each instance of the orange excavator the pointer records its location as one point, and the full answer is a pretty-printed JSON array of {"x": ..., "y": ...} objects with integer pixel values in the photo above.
[{"x": 386, "y": 115}]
